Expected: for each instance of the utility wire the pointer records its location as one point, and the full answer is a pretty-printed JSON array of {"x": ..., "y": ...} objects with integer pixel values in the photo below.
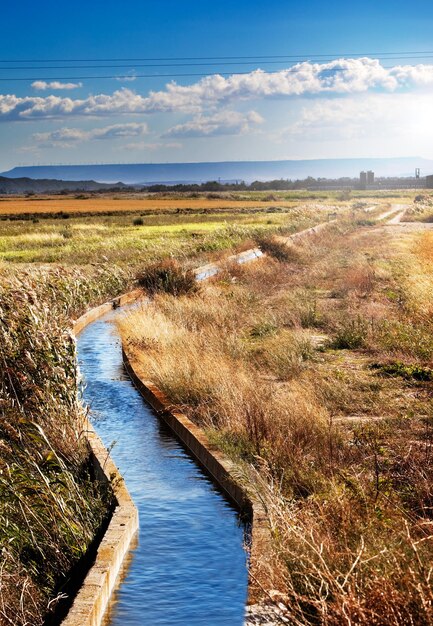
[
  {"x": 187, "y": 63},
  {"x": 183, "y": 75},
  {"x": 80, "y": 67},
  {"x": 216, "y": 58}
]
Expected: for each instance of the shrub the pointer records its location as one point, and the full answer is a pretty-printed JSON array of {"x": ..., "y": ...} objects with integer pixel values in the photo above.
[
  {"x": 346, "y": 194},
  {"x": 283, "y": 252},
  {"x": 409, "y": 372},
  {"x": 351, "y": 335},
  {"x": 263, "y": 329},
  {"x": 169, "y": 277},
  {"x": 67, "y": 233},
  {"x": 364, "y": 222}
]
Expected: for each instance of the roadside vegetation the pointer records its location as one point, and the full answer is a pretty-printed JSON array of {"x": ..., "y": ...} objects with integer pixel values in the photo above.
[{"x": 312, "y": 368}]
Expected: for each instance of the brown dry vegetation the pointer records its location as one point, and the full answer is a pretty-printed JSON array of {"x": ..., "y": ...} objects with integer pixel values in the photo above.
[
  {"x": 314, "y": 373},
  {"x": 421, "y": 210},
  {"x": 51, "y": 204}
]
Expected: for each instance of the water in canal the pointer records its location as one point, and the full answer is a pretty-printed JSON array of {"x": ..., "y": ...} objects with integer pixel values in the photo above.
[{"x": 189, "y": 568}]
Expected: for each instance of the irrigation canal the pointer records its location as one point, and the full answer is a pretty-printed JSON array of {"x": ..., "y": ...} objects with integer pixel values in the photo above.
[{"x": 189, "y": 567}]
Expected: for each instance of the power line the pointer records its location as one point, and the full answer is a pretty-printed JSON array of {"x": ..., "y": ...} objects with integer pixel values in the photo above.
[
  {"x": 183, "y": 75},
  {"x": 216, "y": 58},
  {"x": 187, "y": 63},
  {"x": 79, "y": 67}
]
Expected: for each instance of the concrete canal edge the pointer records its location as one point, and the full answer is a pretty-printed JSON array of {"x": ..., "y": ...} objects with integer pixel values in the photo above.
[
  {"x": 219, "y": 467},
  {"x": 91, "y": 601}
]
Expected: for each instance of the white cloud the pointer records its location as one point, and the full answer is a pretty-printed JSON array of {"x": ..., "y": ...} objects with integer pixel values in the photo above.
[
  {"x": 42, "y": 85},
  {"x": 68, "y": 137},
  {"x": 127, "y": 78},
  {"x": 375, "y": 117},
  {"x": 341, "y": 77},
  {"x": 223, "y": 123}
]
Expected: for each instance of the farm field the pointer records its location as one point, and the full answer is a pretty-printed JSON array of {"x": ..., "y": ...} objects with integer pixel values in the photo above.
[
  {"x": 135, "y": 238},
  {"x": 58, "y": 204},
  {"x": 53, "y": 268},
  {"x": 51, "y": 271},
  {"x": 87, "y": 203}
]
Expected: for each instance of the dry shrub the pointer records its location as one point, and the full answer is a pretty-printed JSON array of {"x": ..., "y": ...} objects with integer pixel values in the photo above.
[
  {"x": 264, "y": 277},
  {"x": 341, "y": 568},
  {"x": 167, "y": 276},
  {"x": 425, "y": 247},
  {"x": 279, "y": 250},
  {"x": 297, "y": 307},
  {"x": 283, "y": 354},
  {"x": 360, "y": 278}
]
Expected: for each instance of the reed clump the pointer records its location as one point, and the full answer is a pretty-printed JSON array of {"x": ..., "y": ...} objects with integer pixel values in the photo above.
[
  {"x": 167, "y": 276},
  {"x": 50, "y": 505}
]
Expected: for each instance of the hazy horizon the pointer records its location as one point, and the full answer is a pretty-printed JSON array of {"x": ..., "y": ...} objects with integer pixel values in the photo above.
[{"x": 226, "y": 171}]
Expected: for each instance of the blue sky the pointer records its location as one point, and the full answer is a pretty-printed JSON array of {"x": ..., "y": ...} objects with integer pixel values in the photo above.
[{"x": 373, "y": 107}]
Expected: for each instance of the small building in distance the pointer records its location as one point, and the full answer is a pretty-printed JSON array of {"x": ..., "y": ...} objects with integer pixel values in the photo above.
[
  {"x": 429, "y": 181},
  {"x": 366, "y": 179}
]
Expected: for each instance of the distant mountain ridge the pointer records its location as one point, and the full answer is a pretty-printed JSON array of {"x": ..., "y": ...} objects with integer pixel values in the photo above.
[
  {"x": 43, "y": 185},
  {"x": 248, "y": 171}
]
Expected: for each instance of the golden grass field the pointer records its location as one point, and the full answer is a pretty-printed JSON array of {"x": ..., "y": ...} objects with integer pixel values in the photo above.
[{"x": 55, "y": 204}]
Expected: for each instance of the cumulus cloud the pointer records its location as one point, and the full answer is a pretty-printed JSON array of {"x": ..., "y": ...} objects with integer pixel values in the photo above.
[
  {"x": 68, "y": 137},
  {"x": 223, "y": 123},
  {"x": 340, "y": 77},
  {"x": 42, "y": 85}
]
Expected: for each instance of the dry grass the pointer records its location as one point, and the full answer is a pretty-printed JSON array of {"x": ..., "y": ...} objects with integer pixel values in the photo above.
[
  {"x": 421, "y": 210},
  {"x": 340, "y": 452}
]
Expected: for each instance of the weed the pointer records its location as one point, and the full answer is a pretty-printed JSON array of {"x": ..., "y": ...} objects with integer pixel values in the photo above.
[
  {"x": 50, "y": 508},
  {"x": 409, "y": 372},
  {"x": 169, "y": 277},
  {"x": 351, "y": 335},
  {"x": 283, "y": 252}
]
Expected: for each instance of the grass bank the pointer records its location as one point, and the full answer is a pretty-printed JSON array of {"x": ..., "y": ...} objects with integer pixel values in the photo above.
[{"x": 314, "y": 373}]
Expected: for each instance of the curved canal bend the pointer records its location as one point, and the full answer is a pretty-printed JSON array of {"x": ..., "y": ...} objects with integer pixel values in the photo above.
[{"x": 189, "y": 568}]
